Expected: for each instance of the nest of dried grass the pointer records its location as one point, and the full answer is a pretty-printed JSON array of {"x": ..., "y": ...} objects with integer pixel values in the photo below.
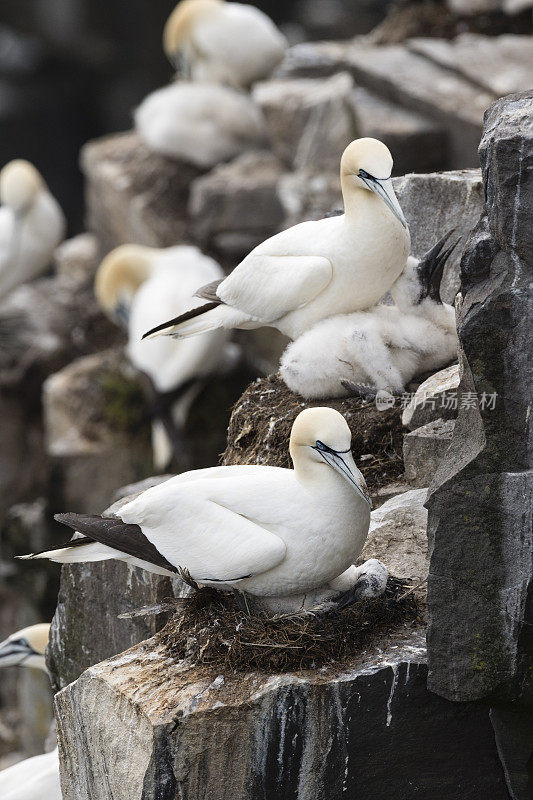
[
  {"x": 262, "y": 419},
  {"x": 209, "y": 629}
]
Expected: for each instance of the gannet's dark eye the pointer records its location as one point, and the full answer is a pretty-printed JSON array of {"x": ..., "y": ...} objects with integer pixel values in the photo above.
[
  {"x": 320, "y": 446},
  {"x": 364, "y": 174}
]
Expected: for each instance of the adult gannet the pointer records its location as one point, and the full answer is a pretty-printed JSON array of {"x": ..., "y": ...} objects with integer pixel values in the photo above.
[
  {"x": 315, "y": 269},
  {"x": 34, "y": 778},
  {"x": 219, "y": 42},
  {"x": 201, "y": 124},
  {"x": 266, "y": 531},
  {"x": 383, "y": 348},
  {"x": 32, "y": 225},
  {"x": 132, "y": 284}
]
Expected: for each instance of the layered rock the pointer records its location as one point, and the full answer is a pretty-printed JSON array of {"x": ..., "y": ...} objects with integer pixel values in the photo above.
[
  {"x": 480, "y": 507},
  {"x": 424, "y": 449},
  {"x": 155, "y": 728},
  {"x": 134, "y": 195}
]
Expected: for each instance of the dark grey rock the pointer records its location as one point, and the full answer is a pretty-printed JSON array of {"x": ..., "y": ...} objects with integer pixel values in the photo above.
[
  {"x": 481, "y": 503},
  {"x": 513, "y": 730},
  {"x": 373, "y": 731}
]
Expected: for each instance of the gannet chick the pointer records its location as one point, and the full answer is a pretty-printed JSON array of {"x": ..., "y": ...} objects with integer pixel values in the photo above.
[
  {"x": 219, "y": 42},
  {"x": 315, "y": 269},
  {"x": 32, "y": 225},
  {"x": 132, "y": 284},
  {"x": 34, "y": 778},
  {"x": 201, "y": 124},
  {"x": 383, "y": 348},
  {"x": 263, "y": 530}
]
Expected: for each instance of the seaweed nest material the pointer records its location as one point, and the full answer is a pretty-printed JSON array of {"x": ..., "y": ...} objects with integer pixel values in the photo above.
[
  {"x": 210, "y": 630},
  {"x": 262, "y": 419}
]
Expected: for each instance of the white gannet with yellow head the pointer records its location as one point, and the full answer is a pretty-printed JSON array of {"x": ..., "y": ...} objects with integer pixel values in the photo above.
[
  {"x": 34, "y": 778},
  {"x": 219, "y": 42},
  {"x": 315, "y": 269},
  {"x": 270, "y": 532},
  {"x": 383, "y": 348},
  {"x": 32, "y": 225},
  {"x": 132, "y": 284}
]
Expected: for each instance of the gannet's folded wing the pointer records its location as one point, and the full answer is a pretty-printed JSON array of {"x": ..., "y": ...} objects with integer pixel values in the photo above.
[
  {"x": 209, "y": 540},
  {"x": 267, "y": 286}
]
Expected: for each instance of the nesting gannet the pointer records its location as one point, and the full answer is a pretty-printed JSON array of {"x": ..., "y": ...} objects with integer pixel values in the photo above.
[
  {"x": 262, "y": 530},
  {"x": 383, "y": 348},
  {"x": 313, "y": 270},
  {"x": 219, "y": 42},
  {"x": 132, "y": 284},
  {"x": 34, "y": 778},
  {"x": 201, "y": 124},
  {"x": 32, "y": 225}
]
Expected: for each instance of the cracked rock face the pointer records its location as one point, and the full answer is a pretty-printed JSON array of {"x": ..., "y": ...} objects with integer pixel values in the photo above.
[
  {"x": 480, "y": 507},
  {"x": 142, "y": 726}
]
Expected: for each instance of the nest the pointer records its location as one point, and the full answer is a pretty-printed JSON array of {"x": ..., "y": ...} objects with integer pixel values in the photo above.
[
  {"x": 262, "y": 419},
  {"x": 210, "y": 630}
]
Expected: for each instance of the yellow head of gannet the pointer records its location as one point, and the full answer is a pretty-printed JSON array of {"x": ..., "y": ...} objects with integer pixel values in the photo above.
[
  {"x": 178, "y": 26},
  {"x": 26, "y": 647},
  {"x": 321, "y": 436},
  {"x": 366, "y": 165},
  {"x": 119, "y": 276},
  {"x": 20, "y": 183}
]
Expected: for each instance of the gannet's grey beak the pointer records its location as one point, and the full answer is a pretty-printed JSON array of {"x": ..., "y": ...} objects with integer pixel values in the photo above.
[
  {"x": 383, "y": 188},
  {"x": 342, "y": 462},
  {"x": 14, "y": 652}
]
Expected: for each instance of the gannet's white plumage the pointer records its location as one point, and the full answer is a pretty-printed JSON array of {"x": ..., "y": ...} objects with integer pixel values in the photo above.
[
  {"x": 383, "y": 348},
  {"x": 35, "y": 778},
  {"x": 201, "y": 124},
  {"x": 132, "y": 284},
  {"x": 315, "y": 269},
  {"x": 268, "y": 531},
  {"x": 227, "y": 43},
  {"x": 32, "y": 225}
]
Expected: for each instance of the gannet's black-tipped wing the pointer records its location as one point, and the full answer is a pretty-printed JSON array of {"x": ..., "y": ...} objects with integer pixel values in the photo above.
[
  {"x": 194, "y": 312},
  {"x": 127, "y": 538}
]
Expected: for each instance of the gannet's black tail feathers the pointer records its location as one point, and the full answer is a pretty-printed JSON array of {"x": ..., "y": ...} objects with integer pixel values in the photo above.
[{"x": 110, "y": 532}]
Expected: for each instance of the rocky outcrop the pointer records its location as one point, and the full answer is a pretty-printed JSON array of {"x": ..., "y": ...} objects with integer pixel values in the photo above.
[
  {"x": 480, "y": 507},
  {"x": 89, "y": 623},
  {"x": 424, "y": 449},
  {"x": 435, "y": 398},
  {"x": 143, "y": 725},
  {"x": 97, "y": 431},
  {"x": 397, "y": 536},
  {"x": 134, "y": 195}
]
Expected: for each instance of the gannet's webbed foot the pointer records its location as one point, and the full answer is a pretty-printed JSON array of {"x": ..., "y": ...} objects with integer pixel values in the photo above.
[
  {"x": 360, "y": 390},
  {"x": 370, "y": 582}
]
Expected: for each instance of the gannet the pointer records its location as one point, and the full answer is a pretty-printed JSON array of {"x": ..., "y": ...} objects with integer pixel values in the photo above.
[
  {"x": 132, "y": 284},
  {"x": 219, "y": 42},
  {"x": 201, "y": 124},
  {"x": 32, "y": 225},
  {"x": 266, "y": 531},
  {"x": 315, "y": 269},
  {"x": 384, "y": 348},
  {"x": 34, "y": 778}
]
